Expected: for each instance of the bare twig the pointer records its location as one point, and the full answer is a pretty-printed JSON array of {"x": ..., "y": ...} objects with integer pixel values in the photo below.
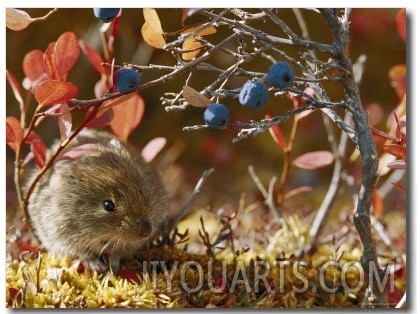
[{"x": 268, "y": 195}]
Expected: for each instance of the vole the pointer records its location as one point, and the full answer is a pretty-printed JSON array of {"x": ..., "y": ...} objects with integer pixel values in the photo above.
[{"x": 102, "y": 207}]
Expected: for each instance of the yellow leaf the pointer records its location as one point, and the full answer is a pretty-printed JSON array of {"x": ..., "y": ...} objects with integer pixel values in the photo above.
[
  {"x": 194, "y": 98},
  {"x": 151, "y": 37},
  {"x": 151, "y": 17},
  {"x": 17, "y": 19}
]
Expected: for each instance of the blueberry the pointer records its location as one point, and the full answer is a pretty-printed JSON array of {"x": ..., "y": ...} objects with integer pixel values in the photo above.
[
  {"x": 106, "y": 14},
  {"x": 126, "y": 80},
  {"x": 254, "y": 95},
  {"x": 280, "y": 75},
  {"x": 216, "y": 116}
]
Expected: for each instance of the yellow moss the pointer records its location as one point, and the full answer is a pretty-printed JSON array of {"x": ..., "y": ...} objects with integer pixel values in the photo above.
[{"x": 60, "y": 283}]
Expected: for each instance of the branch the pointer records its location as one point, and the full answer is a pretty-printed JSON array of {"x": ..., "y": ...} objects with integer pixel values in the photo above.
[
  {"x": 250, "y": 31},
  {"x": 368, "y": 153},
  {"x": 255, "y": 128}
]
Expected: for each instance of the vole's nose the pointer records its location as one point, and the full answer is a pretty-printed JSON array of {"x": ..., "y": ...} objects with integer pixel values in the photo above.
[{"x": 144, "y": 227}]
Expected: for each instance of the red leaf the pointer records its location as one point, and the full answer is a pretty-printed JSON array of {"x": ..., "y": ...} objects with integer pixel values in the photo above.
[
  {"x": 130, "y": 275},
  {"x": 39, "y": 149},
  {"x": 78, "y": 151},
  {"x": 314, "y": 160},
  {"x": 67, "y": 51},
  {"x": 377, "y": 204},
  {"x": 55, "y": 92},
  {"x": 49, "y": 62},
  {"x": 15, "y": 87},
  {"x": 297, "y": 190},
  {"x": 399, "y": 187},
  {"x": 29, "y": 248},
  {"x": 127, "y": 116},
  {"x": 401, "y": 20},
  {"x": 375, "y": 113},
  {"x": 33, "y": 64},
  {"x": 64, "y": 122},
  {"x": 398, "y": 151},
  {"x": 14, "y": 133},
  {"x": 397, "y": 165},
  {"x": 382, "y": 134},
  {"x": 277, "y": 134},
  {"x": 153, "y": 148},
  {"x": 101, "y": 86},
  {"x": 93, "y": 56},
  {"x": 397, "y": 76},
  {"x": 102, "y": 119}
]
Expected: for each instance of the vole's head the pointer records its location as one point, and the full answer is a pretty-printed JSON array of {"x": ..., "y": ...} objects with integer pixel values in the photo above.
[{"x": 110, "y": 200}]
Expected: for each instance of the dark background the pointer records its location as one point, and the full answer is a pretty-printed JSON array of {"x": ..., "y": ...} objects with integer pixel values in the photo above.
[{"x": 373, "y": 33}]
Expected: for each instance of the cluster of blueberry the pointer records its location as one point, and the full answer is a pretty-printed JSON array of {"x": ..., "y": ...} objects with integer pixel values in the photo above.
[{"x": 253, "y": 95}]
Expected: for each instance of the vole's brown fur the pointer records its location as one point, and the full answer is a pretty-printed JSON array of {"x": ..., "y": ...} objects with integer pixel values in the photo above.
[{"x": 67, "y": 207}]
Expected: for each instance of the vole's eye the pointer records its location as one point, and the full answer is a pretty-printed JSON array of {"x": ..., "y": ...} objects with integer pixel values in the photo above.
[{"x": 108, "y": 205}]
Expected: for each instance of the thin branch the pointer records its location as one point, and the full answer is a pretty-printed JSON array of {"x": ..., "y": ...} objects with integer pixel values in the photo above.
[
  {"x": 248, "y": 30},
  {"x": 197, "y": 190},
  {"x": 268, "y": 195},
  {"x": 255, "y": 128}
]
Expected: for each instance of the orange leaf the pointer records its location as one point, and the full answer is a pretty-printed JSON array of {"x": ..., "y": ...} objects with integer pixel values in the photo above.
[
  {"x": 401, "y": 20},
  {"x": 15, "y": 87},
  {"x": 49, "y": 62},
  {"x": 33, "y": 64},
  {"x": 14, "y": 133},
  {"x": 127, "y": 116},
  {"x": 397, "y": 76},
  {"x": 67, "y": 51},
  {"x": 151, "y": 37},
  {"x": 277, "y": 135},
  {"x": 93, "y": 56},
  {"x": 195, "y": 98},
  {"x": 377, "y": 204},
  {"x": 314, "y": 160},
  {"x": 55, "y": 92},
  {"x": 115, "y": 101}
]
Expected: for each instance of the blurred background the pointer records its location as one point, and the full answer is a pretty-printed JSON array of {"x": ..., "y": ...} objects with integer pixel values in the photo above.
[{"x": 373, "y": 33}]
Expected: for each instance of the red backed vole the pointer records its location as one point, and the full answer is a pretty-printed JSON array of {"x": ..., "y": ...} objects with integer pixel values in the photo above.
[{"x": 102, "y": 207}]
